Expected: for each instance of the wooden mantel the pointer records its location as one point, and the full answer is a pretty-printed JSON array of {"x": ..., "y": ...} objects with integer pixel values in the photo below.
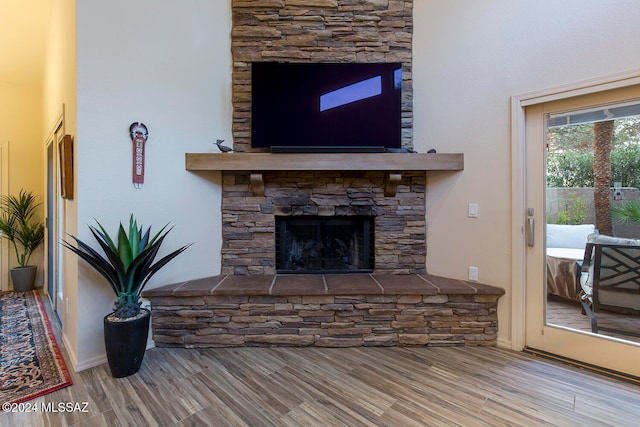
[
  {"x": 393, "y": 164},
  {"x": 398, "y": 162}
]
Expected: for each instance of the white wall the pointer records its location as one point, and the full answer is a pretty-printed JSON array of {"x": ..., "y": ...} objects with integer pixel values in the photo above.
[
  {"x": 167, "y": 65},
  {"x": 469, "y": 59}
]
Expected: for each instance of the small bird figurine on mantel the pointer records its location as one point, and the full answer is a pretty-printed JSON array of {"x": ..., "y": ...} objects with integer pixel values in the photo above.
[{"x": 223, "y": 148}]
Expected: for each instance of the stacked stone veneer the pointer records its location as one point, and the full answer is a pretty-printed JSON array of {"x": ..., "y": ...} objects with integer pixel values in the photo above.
[
  {"x": 346, "y": 312},
  {"x": 318, "y": 31},
  {"x": 325, "y": 321},
  {"x": 248, "y": 221}
]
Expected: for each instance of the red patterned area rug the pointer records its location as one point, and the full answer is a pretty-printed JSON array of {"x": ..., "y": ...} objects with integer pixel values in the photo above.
[{"x": 30, "y": 361}]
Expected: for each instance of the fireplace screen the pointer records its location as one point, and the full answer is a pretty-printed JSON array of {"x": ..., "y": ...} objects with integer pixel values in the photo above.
[{"x": 314, "y": 244}]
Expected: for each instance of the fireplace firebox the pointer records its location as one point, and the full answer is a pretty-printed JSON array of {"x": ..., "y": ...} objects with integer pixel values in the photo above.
[{"x": 317, "y": 244}]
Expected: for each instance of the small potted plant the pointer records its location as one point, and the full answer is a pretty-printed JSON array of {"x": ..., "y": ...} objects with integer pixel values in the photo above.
[
  {"x": 127, "y": 265},
  {"x": 18, "y": 224}
]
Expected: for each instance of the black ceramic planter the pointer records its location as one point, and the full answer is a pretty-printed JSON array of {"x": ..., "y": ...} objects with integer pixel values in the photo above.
[
  {"x": 125, "y": 342},
  {"x": 23, "y": 278}
]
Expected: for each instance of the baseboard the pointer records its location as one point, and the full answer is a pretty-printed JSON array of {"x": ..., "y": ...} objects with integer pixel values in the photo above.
[
  {"x": 94, "y": 361},
  {"x": 90, "y": 363},
  {"x": 73, "y": 360},
  {"x": 504, "y": 344},
  {"x": 81, "y": 366}
]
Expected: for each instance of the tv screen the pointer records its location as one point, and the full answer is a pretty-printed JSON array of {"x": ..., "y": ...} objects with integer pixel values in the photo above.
[{"x": 327, "y": 105}]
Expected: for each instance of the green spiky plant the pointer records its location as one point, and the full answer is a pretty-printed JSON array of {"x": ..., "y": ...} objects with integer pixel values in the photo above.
[
  {"x": 128, "y": 263},
  {"x": 629, "y": 212},
  {"x": 18, "y": 224}
]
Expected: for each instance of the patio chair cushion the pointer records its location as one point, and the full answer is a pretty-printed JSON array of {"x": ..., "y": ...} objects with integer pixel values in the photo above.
[
  {"x": 610, "y": 240},
  {"x": 568, "y": 236}
]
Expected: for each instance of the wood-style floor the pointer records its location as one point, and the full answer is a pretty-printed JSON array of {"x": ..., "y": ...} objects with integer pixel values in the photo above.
[
  {"x": 343, "y": 387},
  {"x": 338, "y": 387}
]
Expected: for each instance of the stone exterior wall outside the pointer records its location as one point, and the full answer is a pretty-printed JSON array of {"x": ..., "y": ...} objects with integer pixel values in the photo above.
[
  {"x": 318, "y": 31},
  {"x": 248, "y": 221}
]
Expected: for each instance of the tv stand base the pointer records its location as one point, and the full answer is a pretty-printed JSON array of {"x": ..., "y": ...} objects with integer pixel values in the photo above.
[{"x": 327, "y": 149}]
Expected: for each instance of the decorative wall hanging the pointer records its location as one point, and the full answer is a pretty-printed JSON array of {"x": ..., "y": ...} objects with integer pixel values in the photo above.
[
  {"x": 66, "y": 166},
  {"x": 139, "y": 134}
]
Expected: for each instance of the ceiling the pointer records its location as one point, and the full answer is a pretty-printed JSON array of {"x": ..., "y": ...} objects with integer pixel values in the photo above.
[{"x": 24, "y": 28}]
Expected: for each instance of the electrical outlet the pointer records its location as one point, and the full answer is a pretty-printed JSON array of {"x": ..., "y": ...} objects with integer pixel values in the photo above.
[
  {"x": 473, "y": 273},
  {"x": 473, "y": 210}
]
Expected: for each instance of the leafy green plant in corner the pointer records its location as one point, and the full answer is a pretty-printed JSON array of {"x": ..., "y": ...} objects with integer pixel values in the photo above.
[
  {"x": 18, "y": 224},
  {"x": 629, "y": 212},
  {"x": 128, "y": 261}
]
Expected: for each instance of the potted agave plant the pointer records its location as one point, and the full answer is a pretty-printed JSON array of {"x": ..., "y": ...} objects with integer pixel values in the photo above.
[
  {"x": 18, "y": 224},
  {"x": 127, "y": 265}
]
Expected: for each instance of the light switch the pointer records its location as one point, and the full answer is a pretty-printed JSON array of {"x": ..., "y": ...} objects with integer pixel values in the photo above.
[
  {"x": 473, "y": 210},
  {"x": 473, "y": 273}
]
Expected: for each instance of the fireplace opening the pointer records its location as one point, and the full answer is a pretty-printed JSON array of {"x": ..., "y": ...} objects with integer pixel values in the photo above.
[{"x": 315, "y": 244}]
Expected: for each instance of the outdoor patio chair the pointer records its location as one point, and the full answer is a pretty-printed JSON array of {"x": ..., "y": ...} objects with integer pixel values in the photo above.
[{"x": 610, "y": 276}]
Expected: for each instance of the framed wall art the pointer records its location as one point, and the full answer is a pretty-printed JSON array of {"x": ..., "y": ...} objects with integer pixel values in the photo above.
[{"x": 65, "y": 148}]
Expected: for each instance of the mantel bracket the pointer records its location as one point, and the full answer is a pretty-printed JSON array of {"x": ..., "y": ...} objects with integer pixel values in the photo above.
[
  {"x": 257, "y": 183},
  {"x": 391, "y": 181}
]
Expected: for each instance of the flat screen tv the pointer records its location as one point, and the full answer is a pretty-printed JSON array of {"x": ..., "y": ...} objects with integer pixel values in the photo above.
[{"x": 326, "y": 106}]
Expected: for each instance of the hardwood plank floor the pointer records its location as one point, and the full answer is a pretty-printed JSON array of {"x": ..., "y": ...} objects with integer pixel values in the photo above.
[{"x": 399, "y": 386}]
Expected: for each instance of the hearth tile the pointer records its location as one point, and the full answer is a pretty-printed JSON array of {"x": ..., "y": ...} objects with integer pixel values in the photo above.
[
  {"x": 245, "y": 285},
  {"x": 198, "y": 286},
  {"x": 406, "y": 284},
  {"x": 299, "y": 284},
  {"x": 483, "y": 289},
  {"x": 446, "y": 285},
  {"x": 163, "y": 291},
  {"x": 351, "y": 284}
]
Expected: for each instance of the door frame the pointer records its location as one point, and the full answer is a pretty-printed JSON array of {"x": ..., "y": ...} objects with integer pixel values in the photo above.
[
  {"x": 54, "y": 204},
  {"x": 518, "y": 181}
]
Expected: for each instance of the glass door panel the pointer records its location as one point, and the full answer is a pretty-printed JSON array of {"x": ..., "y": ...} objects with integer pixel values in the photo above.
[{"x": 562, "y": 190}]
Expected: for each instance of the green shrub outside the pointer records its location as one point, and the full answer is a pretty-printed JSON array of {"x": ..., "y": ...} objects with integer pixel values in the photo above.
[
  {"x": 574, "y": 213},
  {"x": 575, "y": 169}
]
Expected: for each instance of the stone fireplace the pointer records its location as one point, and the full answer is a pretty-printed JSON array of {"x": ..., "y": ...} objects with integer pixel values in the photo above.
[
  {"x": 379, "y": 195},
  {"x": 321, "y": 31},
  {"x": 398, "y": 234}
]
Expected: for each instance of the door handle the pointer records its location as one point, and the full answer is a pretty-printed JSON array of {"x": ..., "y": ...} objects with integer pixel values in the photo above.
[{"x": 531, "y": 228}]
